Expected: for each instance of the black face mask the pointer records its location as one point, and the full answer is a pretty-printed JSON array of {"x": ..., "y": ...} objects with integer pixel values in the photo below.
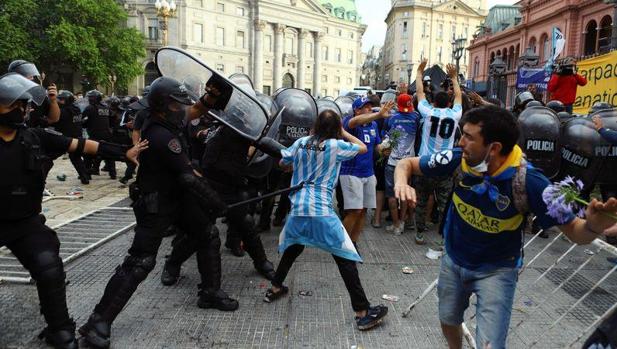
[
  {"x": 175, "y": 117},
  {"x": 13, "y": 119}
]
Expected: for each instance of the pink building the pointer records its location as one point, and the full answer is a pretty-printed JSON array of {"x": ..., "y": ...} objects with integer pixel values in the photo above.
[{"x": 509, "y": 30}]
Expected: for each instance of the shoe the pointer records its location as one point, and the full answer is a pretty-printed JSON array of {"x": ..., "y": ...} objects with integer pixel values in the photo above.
[
  {"x": 396, "y": 230},
  {"x": 96, "y": 332},
  {"x": 170, "y": 274},
  {"x": 95, "y": 173},
  {"x": 420, "y": 239},
  {"x": 112, "y": 176},
  {"x": 375, "y": 225},
  {"x": 84, "y": 180},
  {"x": 374, "y": 316},
  {"x": 63, "y": 338},
  {"x": 271, "y": 296},
  {"x": 543, "y": 234},
  {"x": 410, "y": 226},
  {"x": 266, "y": 269},
  {"x": 235, "y": 248},
  {"x": 217, "y": 300},
  {"x": 125, "y": 180}
]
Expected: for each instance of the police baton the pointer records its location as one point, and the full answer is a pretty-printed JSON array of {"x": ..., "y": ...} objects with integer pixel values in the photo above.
[{"x": 259, "y": 198}]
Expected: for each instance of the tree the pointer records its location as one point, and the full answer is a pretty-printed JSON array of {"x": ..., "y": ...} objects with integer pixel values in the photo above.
[{"x": 89, "y": 36}]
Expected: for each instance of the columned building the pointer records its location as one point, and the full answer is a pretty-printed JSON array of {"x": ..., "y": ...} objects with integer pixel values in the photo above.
[{"x": 307, "y": 44}]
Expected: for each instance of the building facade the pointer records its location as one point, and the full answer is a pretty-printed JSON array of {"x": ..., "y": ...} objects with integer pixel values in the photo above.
[
  {"x": 586, "y": 25},
  {"x": 372, "y": 68},
  {"x": 426, "y": 29},
  {"x": 279, "y": 43}
]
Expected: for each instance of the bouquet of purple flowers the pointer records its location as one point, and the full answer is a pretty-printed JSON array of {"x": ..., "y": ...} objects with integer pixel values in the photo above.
[{"x": 563, "y": 198}]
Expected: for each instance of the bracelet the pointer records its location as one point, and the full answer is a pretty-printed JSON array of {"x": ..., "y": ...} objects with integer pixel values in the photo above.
[{"x": 591, "y": 230}]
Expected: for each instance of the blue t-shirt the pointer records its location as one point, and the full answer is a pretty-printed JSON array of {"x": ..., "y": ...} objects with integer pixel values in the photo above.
[
  {"x": 362, "y": 164},
  {"x": 478, "y": 232},
  {"x": 405, "y": 127}
]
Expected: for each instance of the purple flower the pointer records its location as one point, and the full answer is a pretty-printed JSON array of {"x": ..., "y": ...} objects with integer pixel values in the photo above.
[{"x": 562, "y": 199}]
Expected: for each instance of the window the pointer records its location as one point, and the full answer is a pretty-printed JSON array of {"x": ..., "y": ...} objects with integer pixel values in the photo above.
[
  {"x": 240, "y": 11},
  {"x": 349, "y": 81},
  {"x": 337, "y": 79},
  {"x": 153, "y": 29},
  {"x": 423, "y": 29},
  {"x": 220, "y": 36},
  {"x": 465, "y": 31},
  {"x": 439, "y": 54},
  {"x": 325, "y": 53},
  {"x": 337, "y": 92},
  {"x": 340, "y": 32},
  {"x": 440, "y": 32},
  {"x": 220, "y": 7},
  {"x": 289, "y": 45},
  {"x": 240, "y": 39},
  {"x": 422, "y": 54},
  {"x": 269, "y": 43},
  {"x": 324, "y": 92},
  {"x": 547, "y": 48},
  {"x": 198, "y": 33},
  {"x": 349, "y": 56},
  {"x": 406, "y": 14},
  {"x": 267, "y": 90},
  {"x": 404, "y": 52},
  {"x": 453, "y": 32},
  {"x": 239, "y": 69},
  {"x": 405, "y": 27},
  {"x": 220, "y": 67},
  {"x": 327, "y": 30},
  {"x": 324, "y": 78},
  {"x": 309, "y": 49},
  {"x": 338, "y": 55},
  {"x": 351, "y": 35}
]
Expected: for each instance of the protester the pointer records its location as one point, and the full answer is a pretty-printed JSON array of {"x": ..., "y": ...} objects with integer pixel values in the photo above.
[
  {"x": 400, "y": 134},
  {"x": 357, "y": 178},
  {"x": 485, "y": 219},
  {"x": 607, "y": 191},
  {"x": 316, "y": 161},
  {"x": 438, "y": 133},
  {"x": 564, "y": 82}
]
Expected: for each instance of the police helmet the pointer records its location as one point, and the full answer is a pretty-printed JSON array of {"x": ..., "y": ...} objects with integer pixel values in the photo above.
[
  {"x": 556, "y": 105},
  {"x": 14, "y": 87},
  {"x": 533, "y": 103},
  {"x": 522, "y": 99},
  {"x": 23, "y": 68},
  {"x": 66, "y": 96},
  {"x": 326, "y": 104},
  {"x": 597, "y": 106},
  {"x": 114, "y": 102},
  {"x": 165, "y": 90},
  {"x": 146, "y": 90},
  {"x": 94, "y": 96}
]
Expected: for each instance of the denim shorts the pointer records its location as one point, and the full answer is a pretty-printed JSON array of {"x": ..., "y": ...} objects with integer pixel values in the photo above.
[{"x": 494, "y": 289}]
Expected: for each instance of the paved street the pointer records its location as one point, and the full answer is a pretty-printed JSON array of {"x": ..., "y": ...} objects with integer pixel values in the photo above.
[{"x": 167, "y": 317}]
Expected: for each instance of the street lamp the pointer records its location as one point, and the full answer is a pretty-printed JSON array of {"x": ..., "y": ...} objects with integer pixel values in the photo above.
[
  {"x": 614, "y": 30},
  {"x": 409, "y": 70},
  {"x": 458, "y": 47},
  {"x": 496, "y": 68},
  {"x": 529, "y": 59},
  {"x": 112, "y": 81},
  {"x": 164, "y": 10}
]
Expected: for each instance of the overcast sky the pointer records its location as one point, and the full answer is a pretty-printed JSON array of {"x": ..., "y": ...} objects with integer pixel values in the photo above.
[{"x": 374, "y": 12}]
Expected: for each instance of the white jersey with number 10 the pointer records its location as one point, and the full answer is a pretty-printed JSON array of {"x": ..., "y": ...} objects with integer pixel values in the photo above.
[{"x": 438, "y": 131}]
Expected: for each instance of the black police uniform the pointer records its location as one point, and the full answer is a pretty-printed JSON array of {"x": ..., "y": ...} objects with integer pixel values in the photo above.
[
  {"x": 70, "y": 125},
  {"x": 97, "y": 122},
  {"x": 223, "y": 162},
  {"x": 22, "y": 226},
  {"x": 120, "y": 134},
  {"x": 168, "y": 193}
]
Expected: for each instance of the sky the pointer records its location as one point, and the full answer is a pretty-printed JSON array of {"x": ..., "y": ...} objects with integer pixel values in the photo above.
[{"x": 374, "y": 12}]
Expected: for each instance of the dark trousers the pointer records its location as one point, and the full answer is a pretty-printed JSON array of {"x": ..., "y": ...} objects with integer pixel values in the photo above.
[
  {"x": 149, "y": 232},
  {"x": 93, "y": 164},
  {"x": 78, "y": 164},
  {"x": 130, "y": 170},
  {"x": 347, "y": 268},
  {"x": 276, "y": 179},
  {"x": 36, "y": 246}
]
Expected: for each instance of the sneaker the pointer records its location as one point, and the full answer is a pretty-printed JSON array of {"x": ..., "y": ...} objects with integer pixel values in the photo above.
[
  {"x": 396, "y": 230},
  {"x": 271, "y": 296},
  {"x": 374, "y": 316},
  {"x": 420, "y": 239}
]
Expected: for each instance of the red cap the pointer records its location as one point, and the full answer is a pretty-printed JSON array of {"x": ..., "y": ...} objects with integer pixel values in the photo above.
[{"x": 405, "y": 103}]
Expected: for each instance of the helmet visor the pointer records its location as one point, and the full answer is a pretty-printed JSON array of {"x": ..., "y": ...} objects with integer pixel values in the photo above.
[{"x": 14, "y": 87}]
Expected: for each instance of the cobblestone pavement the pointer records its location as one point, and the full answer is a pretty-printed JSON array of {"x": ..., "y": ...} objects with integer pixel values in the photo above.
[{"x": 167, "y": 317}]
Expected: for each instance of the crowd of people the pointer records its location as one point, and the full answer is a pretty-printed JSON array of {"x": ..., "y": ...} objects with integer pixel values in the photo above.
[{"x": 445, "y": 157}]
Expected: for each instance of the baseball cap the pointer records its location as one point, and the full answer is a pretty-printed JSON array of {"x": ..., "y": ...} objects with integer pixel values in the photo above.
[
  {"x": 361, "y": 102},
  {"x": 405, "y": 103}
]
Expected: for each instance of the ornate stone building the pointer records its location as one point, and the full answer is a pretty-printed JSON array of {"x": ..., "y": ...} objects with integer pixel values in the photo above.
[
  {"x": 309, "y": 44},
  {"x": 425, "y": 29}
]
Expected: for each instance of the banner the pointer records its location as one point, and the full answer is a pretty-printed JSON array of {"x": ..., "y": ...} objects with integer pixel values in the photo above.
[
  {"x": 537, "y": 76},
  {"x": 601, "y": 74}
]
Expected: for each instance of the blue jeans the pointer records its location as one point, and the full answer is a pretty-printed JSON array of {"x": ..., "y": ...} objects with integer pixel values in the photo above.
[{"x": 494, "y": 289}]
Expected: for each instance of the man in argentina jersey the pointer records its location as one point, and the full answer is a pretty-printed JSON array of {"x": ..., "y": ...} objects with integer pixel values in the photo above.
[
  {"x": 440, "y": 121},
  {"x": 316, "y": 162}
]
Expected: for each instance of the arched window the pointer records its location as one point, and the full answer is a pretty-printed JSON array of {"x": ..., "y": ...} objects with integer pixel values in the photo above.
[
  {"x": 591, "y": 37},
  {"x": 533, "y": 45},
  {"x": 511, "y": 58},
  {"x": 546, "y": 48},
  {"x": 604, "y": 36}
]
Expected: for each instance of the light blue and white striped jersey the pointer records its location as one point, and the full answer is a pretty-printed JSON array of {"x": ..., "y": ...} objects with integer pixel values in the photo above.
[
  {"x": 318, "y": 166},
  {"x": 439, "y": 127}
]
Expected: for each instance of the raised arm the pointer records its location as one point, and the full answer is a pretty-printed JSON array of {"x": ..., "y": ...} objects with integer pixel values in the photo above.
[
  {"x": 384, "y": 112},
  {"x": 419, "y": 75},
  {"x": 452, "y": 73}
]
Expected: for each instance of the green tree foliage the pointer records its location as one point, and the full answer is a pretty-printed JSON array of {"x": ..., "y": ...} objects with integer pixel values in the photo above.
[{"x": 89, "y": 36}]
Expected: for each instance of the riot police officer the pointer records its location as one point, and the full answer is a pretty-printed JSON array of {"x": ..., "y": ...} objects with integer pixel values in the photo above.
[
  {"x": 96, "y": 121},
  {"x": 70, "y": 126},
  {"x": 167, "y": 191},
  {"x": 22, "y": 226}
]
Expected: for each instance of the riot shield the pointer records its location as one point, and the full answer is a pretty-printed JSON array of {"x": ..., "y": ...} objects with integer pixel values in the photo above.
[
  {"x": 298, "y": 114},
  {"x": 325, "y": 104},
  {"x": 579, "y": 140},
  {"x": 238, "y": 109},
  {"x": 388, "y": 95},
  {"x": 539, "y": 138},
  {"x": 244, "y": 82},
  {"x": 606, "y": 153},
  {"x": 346, "y": 105}
]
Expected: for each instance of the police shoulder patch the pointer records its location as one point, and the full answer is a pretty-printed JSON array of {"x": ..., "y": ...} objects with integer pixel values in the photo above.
[
  {"x": 175, "y": 146},
  {"x": 195, "y": 122}
]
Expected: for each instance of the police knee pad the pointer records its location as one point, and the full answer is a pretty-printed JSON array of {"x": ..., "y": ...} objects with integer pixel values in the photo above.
[
  {"x": 47, "y": 267},
  {"x": 139, "y": 267}
]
